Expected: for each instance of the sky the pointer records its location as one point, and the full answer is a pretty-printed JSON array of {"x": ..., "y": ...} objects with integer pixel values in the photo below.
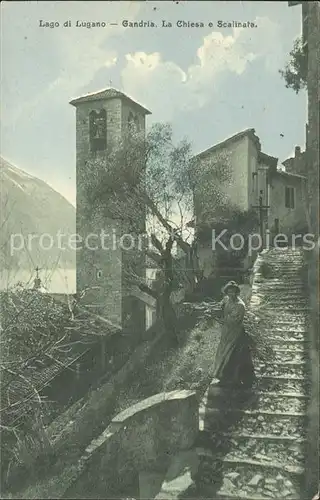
[{"x": 208, "y": 82}]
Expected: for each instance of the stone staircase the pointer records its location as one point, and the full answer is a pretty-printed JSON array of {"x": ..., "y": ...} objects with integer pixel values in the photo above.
[{"x": 252, "y": 444}]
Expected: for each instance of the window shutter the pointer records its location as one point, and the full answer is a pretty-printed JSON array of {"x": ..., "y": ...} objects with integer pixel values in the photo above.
[
  {"x": 292, "y": 198},
  {"x": 287, "y": 201}
]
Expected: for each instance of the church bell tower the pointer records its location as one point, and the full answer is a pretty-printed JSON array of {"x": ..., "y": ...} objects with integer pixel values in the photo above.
[{"x": 101, "y": 118}]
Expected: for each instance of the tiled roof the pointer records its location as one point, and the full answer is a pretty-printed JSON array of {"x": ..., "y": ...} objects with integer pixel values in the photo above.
[
  {"x": 19, "y": 390},
  {"x": 271, "y": 161},
  {"x": 289, "y": 174},
  {"x": 22, "y": 388},
  {"x": 250, "y": 132},
  {"x": 108, "y": 93}
]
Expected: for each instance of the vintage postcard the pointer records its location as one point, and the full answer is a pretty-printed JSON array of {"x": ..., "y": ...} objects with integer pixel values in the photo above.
[{"x": 159, "y": 250}]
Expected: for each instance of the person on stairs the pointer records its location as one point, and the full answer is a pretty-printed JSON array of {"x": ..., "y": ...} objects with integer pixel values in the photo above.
[{"x": 233, "y": 362}]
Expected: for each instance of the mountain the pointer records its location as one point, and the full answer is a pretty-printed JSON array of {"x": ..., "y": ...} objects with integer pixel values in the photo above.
[{"x": 32, "y": 217}]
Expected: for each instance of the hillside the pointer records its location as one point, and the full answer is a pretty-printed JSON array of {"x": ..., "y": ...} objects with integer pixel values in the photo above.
[{"x": 30, "y": 208}]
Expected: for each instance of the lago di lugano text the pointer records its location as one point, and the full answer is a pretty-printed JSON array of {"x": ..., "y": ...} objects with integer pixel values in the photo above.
[{"x": 147, "y": 24}]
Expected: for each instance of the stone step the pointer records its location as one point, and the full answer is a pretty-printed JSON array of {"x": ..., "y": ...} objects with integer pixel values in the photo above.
[
  {"x": 260, "y": 459},
  {"x": 207, "y": 413},
  {"x": 292, "y": 265},
  {"x": 285, "y": 257},
  {"x": 288, "y": 358},
  {"x": 285, "y": 495},
  {"x": 286, "y": 332},
  {"x": 287, "y": 327},
  {"x": 289, "y": 260},
  {"x": 258, "y": 484},
  {"x": 279, "y": 370},
  {"x": 290, "y": 294},
  {"x": 283, "y": 335},
  {"x": 250, "y": 483},
  {"x": 290, "y": 349},
  {"x": 281, "y": 282},
  {"x": 294, "y": 308},
  {"x": 260, "y": 282},
  {"x": 264, "y": 406},
  {"x": 269, "y": 437},
  {"x": 284, "y": 282},
  {"x": 288, "y": 252},
  {"x": 289, "y": 342},
  {"x": 282, "y": 377},
  {"x": 267, "y": 452},
  {"x": 280, "y": 424},
  {"x": 290, "y": 319},
  {"x": 279, "y": 288},
  {"x": 298, "y": 309},
  {"x": 271, "y": 301},
  {"x": 274, "y": 275},
  {"x": 260, "y": 402},
  {"x": 279, "y": 272},
  {"x": 282, "y": 384},
  {"x": 280, "y": 291},
  {"x": 250, "y": 478},
  {"x": 289, "y": 323}
]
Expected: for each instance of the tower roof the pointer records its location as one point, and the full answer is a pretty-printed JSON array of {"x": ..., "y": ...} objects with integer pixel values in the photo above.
[{"x": 108, "y": 93}]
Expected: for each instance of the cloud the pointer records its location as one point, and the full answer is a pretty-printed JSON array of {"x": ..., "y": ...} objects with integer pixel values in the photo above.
[
  {"x": 82, "y": 51},
  {"x": 165, "y": 87}
]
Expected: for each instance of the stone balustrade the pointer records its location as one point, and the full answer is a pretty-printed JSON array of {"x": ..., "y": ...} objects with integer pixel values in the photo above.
[{"x": 139, "y": 442}]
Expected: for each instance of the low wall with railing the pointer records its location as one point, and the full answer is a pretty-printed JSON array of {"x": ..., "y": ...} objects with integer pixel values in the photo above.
[{"x": 139, "y": 440}]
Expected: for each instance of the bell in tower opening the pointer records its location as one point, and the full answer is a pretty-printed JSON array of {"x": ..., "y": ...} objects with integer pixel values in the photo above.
[{"x": 98, "y": 136}]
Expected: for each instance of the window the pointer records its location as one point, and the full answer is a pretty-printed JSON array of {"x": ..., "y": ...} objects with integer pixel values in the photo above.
[
  {"x": 133, "y": 123},
  {"x": 99, "y": 274},
  {"x": 289, "y": 197},
  {"x": 254, "y": 180},
  {"x": 98, "y": 139}
]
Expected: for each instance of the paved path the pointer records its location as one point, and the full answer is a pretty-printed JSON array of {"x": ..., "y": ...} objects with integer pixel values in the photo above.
[{"x": 254, "y": 448}]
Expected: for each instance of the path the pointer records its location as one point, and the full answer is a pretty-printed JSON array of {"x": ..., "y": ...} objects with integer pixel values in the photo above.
[{"x": 254, "y": 449}]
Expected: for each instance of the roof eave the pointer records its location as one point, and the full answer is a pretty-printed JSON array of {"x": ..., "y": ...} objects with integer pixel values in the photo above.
[
  {"x": 222, "y": 144},
  {"x": 80, "y": 100},
  {"x": 290, "y": 174}
]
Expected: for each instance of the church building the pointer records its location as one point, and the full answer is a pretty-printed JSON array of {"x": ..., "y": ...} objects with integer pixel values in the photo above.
[{"x": 102, "y": 118}]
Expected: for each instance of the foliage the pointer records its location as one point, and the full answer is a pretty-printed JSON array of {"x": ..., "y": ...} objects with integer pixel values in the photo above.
[
  {"x": 296, "y": 70},
  {"x": 210, "y": 176},
  {"x": 147, "y": 178},
  {"x": 235, "y": 222},
  {"x": 142, "y": 175}
]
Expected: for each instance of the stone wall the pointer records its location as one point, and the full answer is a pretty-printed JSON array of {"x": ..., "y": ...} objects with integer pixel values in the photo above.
[
  {"x": 290, "y": 219},
  {"x": 103, "y": 271},
  {"x": 229, "y": 186},
  {"x": 99, "y": 270},
  {"x": 141, "y": 439},
  {"x": 311, "y": 28},
  {"x": 311, "y": 20},
  {"x": 312, "y": 452}
]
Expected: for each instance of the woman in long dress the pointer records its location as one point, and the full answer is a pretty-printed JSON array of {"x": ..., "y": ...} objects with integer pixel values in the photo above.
[{"x": 233, "y": 362}]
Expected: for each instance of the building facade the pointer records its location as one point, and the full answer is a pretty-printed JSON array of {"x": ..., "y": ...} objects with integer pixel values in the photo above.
[
  {"x": 311, "y": 41},
  {"x": 102, "y": 119},
  {"x": 247, "y": 179},
  {"x": 311, "y": 33}
]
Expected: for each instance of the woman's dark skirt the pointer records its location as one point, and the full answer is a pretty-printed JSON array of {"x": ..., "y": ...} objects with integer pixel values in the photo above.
[{"x": 239, "y": 370}]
